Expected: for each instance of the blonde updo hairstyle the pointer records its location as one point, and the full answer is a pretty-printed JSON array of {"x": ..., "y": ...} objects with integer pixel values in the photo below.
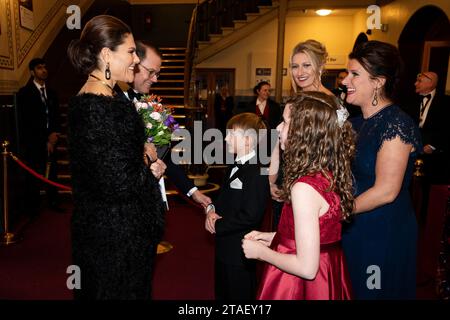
[{"x": 318, "y": 54}]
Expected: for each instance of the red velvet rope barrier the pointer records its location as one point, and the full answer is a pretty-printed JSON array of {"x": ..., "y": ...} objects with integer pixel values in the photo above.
[{"x": 37, "y": 175}]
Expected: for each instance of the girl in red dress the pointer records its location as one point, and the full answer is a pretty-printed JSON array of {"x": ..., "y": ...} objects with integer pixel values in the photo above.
[{"x": 304, "y": 257}]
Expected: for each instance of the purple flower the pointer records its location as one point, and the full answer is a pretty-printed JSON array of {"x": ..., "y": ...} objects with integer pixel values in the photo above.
[{"x": 150, "y": 139}]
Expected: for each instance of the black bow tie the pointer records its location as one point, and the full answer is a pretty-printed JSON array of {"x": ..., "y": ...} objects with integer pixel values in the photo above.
[
  {"x": 428, "y": 96},
  {"x": 133, "y": 94},
  {"x": 238, "y": 163}
]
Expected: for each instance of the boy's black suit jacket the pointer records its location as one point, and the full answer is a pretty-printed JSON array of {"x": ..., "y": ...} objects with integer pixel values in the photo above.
[{"x": 242, "y": 211}]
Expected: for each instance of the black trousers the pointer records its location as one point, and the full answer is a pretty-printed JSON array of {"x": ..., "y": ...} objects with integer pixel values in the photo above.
[{"x": 235, "y": 282}]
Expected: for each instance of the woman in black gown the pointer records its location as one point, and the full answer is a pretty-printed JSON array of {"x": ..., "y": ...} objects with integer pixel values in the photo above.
[{"x": 118, "y": 217}]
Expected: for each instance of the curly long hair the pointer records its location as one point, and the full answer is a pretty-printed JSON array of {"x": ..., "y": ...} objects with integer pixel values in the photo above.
[{"x": 316, "y": 142}]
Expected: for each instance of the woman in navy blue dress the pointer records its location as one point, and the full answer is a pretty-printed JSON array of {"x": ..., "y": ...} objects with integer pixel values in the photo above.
[{"x": 380, "y": 243}]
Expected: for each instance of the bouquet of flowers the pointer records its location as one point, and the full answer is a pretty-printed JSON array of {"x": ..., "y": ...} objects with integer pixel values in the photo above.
[{"x": 159, "y": 121}]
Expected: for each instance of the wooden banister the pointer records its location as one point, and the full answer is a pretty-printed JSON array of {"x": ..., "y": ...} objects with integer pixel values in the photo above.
[{"x": 190, "y": 51}]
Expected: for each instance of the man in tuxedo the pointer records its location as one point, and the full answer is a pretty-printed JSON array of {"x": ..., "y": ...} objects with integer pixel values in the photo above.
[
  {"x": 432, "y": 115},
  {"x": 39, "y": 129},
  {"x": 146, "y": 73}
]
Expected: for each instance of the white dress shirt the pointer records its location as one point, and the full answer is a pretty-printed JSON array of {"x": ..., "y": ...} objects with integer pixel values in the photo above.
[
  {"x": 243, "y": 160},
  {"x": 261, "y": 105},
  {"x": 423, "y": 118}
]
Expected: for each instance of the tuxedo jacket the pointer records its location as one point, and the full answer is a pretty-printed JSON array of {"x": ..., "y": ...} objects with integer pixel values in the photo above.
[
  {"x": 435, "y": 130},
  {"x": 32, "y": 120},
  {"x": 274, "y": 112},
  {"x": 173, "y": 171},
  {"x": 242, "y": 210}
]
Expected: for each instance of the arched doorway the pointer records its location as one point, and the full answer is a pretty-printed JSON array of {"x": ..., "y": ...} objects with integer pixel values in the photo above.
[{"x": 424, "y": 43}]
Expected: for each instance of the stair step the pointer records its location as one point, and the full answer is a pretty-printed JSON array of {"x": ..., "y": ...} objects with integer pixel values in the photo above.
[
  {"x": 172, "y": 96},
  {"x": 214, "y": 37},
  {"x": 173, "y": 60},
  {"x": 174, "y": 54},
  {"x": 264, "y": 9},
  {"x": 203, "y": 44},
  {"x": 179, "y": 116},
  {"x": 168, "y": 89},
  {"x": 171, "y": 73},
  {"x": 227, "y": 30},
  {"x": 172, "y": 67},
  {"x": 63, "y": 162},
  {"x": 239, "y": 23},
  {"x": 252, "y": 16},
  {"x": 176, "y": 80},
  {"x": 172, "y": 49},
  {"x": 64, "y": 176}
]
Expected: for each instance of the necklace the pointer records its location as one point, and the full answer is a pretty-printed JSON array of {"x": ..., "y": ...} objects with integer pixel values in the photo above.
[
  {"x": 377, "y": 112},
  {"x": 103, "y": 82}
]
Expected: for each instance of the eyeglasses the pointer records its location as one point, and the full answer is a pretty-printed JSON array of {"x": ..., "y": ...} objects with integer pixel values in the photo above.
[
  {"x": 423, "y": 75},
  {"x": 151, "y": 72}
]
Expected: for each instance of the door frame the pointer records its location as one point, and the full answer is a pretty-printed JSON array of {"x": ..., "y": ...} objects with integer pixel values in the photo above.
[{"x": 428, "y": 45}]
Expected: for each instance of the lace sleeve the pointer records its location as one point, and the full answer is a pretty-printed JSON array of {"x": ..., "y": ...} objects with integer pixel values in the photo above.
[{"x": 402, "y": 126}]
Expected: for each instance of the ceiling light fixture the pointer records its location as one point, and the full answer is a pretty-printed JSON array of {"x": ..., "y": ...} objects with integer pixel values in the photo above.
[{"x": 323, "y": 12}]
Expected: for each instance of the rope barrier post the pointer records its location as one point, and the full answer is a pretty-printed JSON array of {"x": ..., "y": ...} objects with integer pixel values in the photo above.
[{"x": 7, "y": 237}]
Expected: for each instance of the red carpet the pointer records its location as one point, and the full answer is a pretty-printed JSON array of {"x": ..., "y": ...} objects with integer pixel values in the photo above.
[
  {"x": 35, "y": 268},
  {"x": 187, "y": 271}
]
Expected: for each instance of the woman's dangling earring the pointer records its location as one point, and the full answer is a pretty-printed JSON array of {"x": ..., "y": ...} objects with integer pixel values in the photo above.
[
  {"x": 375, "y": 98},
  {"x": 107, "y": 72}
]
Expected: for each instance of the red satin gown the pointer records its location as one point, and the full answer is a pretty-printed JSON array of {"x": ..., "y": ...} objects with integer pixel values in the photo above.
[{"x": 332, "y": 281}]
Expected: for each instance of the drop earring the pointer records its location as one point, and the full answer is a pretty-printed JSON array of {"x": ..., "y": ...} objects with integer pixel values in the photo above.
[
  {"x": 375, "y": 98},
  {"x": 107, "y": 72}
]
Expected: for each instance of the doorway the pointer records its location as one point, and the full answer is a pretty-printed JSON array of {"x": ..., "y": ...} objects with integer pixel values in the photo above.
[{"x": 424, "y": 45}]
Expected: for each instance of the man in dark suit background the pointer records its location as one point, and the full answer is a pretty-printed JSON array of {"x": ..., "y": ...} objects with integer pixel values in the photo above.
[
  {"x": 223, "y": 108},
  {"x": 146, "y": 73},
  {"x": 432, "y": 114},
  {"x": 39, "y": 127}
]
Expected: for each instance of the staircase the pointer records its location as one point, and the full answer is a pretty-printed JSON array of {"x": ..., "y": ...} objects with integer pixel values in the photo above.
[
  {"x": 221, "y": 23},
  {"x": 170, "y": 85}
]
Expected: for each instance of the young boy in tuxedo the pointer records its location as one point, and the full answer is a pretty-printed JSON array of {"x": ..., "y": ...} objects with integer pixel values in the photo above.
[{"x": 238, "y": 209}]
